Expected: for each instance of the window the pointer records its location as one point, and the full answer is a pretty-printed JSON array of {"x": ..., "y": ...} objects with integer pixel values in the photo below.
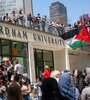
[
  {"x": 19, "y": 49},
  {"x": 23, "y": 61},
  {"x": 5, "y": 47},
  {"x": 15, "y": 50},
  {"x": 20, "y": 52},
  {"x": 48, "y": 58},
  {"x": 42, "y": 58},
  {"x": 47, "y": 55}
]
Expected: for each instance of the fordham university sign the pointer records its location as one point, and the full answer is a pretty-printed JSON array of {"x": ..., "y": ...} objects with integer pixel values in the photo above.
[
  {"x": 19, "y": 34},
  {"x": 12, "y": 33},
  {"x": 48, "y": 40}
]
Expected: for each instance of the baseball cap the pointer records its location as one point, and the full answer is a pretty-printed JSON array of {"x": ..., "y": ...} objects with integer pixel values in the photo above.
[{"x": 46, "y": 67}]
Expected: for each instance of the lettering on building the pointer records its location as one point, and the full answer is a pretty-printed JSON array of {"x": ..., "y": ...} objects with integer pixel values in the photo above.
[
  {"x": 48, "y": 40},
  {"x": 12, "y": 33}
]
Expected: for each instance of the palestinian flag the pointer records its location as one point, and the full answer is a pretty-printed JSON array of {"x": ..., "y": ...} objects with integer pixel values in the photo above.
[{"x": 80, "y": 39}]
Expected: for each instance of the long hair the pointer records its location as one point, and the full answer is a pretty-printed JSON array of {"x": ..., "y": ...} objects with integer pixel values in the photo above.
[{"x": 14, "y": 92}]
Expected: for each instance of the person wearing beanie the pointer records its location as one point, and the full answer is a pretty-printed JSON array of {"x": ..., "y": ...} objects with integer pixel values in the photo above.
[{"x": 47, "y": 72}]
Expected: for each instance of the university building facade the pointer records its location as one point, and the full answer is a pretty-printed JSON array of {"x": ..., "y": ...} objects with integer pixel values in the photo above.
[{"x": 34, "y": 49}]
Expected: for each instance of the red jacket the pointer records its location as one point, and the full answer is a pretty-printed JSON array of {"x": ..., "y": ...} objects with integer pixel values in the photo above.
[{"x": 46, "y": 73}]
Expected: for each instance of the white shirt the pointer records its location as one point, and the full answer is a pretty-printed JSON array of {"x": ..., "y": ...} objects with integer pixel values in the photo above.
[{"x": 18, "y": 68}]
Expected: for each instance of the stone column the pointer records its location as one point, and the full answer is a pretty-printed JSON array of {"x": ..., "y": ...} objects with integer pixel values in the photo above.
[
  {"x": 67, "y": 58},
  {"x": 31, "y": 62}
]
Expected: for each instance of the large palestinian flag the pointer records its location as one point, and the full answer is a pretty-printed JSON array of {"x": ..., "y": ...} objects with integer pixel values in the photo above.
[{"x": 80, "y": 39}]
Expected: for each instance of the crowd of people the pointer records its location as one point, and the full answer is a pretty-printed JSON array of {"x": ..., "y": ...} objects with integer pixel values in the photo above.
[
  {"x": 52, "y": 85},
  {"x": 14, "y": 84},
  {"x": 19, "y": 18},
  {"x": 66, "y": 85},
  {"x": 40, "y": 23}
]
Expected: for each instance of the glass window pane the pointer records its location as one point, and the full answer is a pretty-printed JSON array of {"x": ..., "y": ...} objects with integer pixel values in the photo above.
[
  {"x": 24, "y": 50},
  {"x": 14, "y": 49},
  {"x": 50, "y": 64},
  {"x": 19, "y": 49},
  {"x": 39, "y": 63},
  {"x": 25, "y": 65},
  {"x": 5, "y": 47},
  {"x": 47, "y": 55},
  {"x": 39, "y": 55},
  {"x": 39, "y": 71},
  {"x": 23, "y": 62}
]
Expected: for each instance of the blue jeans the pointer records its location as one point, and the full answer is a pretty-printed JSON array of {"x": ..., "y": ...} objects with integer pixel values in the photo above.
[{"x": 26, "y": 97}]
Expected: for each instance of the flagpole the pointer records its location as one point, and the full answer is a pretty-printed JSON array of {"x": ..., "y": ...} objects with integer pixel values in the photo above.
[{"x": 67, "y": 58}]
